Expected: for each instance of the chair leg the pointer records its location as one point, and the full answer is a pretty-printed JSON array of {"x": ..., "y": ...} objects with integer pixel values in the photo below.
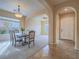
[
  {"x": 15, "y": 43},
  {"x": 29, "y": 44},
  {"x": 33, "y": 42},
  {"x": 12, "y": 43}
]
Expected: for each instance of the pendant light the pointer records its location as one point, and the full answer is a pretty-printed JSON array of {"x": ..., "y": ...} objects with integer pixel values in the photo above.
[{"x": 18, "y": 14}]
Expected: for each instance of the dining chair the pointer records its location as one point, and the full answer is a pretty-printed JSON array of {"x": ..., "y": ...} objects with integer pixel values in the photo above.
[
  {"x": 11, "y": 37},
  {"x": 14, "y": 39},
  {"x": 31, "y": 37}
]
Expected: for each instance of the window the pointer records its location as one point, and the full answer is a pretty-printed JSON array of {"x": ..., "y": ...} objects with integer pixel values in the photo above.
[
  {"x": 6, "y": 25},
  {"x": 46, "y": 28}
]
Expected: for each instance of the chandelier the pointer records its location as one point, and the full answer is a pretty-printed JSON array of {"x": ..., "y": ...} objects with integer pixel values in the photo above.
[{"x": 18, "y": 14}]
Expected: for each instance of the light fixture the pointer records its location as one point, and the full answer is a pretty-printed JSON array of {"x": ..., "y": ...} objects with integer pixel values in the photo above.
[
  {"x": 65, "y": 9},
  {"x": 18, "y": 14}
]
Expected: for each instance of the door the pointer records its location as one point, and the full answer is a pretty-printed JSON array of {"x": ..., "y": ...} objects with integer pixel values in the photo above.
[{"x": 66, "y": 27}]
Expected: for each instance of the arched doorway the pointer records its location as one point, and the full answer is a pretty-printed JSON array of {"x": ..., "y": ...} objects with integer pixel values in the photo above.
[
  {"x": 44, "y": 27},
  {"x": 66, "y": 25}
]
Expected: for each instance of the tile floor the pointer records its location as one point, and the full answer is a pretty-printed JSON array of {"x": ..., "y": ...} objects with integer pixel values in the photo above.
[{"x": 64, "y": 50}]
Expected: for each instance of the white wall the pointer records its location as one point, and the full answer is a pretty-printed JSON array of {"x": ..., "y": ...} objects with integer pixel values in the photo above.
[
  {"x": 34, "y": 23},
  {"x": 4, "y": 37}
]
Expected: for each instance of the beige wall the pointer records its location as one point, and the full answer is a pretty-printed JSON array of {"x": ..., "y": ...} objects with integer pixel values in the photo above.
[{"x": 7, "y": 14}]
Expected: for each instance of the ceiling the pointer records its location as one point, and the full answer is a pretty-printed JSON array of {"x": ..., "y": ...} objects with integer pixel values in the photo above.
[
  {"x": 27, "y": 6},
  {"x": 66, "y": 10},
  {"x": 55, "y": 2}
]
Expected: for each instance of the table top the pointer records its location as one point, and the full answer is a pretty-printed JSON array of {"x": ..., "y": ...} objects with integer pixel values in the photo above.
[{"x": 21, "y": 35}]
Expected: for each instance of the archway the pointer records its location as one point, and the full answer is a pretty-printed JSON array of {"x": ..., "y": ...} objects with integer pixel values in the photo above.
[{"x": 66, "y": 11}]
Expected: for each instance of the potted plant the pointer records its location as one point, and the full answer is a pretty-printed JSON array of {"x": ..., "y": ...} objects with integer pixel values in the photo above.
[{"x": 22, "y": 29}]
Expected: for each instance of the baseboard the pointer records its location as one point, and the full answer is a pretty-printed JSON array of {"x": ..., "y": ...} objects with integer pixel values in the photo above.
[
  {"x": 52, "y": 43},
  {"x": 76, "y": 49},
  {"x": 66, "y": 39}
]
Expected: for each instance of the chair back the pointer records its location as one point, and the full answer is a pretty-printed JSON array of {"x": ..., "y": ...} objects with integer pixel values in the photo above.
[
  {"x": 12, "y": 35},
  {"x": 32, "y": 35}
]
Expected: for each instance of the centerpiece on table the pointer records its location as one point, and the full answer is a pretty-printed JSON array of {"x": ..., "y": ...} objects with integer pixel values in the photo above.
[{"x": 22, "y": 30}]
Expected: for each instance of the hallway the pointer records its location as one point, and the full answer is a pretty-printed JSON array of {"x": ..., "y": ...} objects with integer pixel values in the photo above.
[{"x": 65, "y": 50}]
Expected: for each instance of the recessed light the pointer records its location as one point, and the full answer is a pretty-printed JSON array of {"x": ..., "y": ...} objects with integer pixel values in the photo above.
[{"x": 65, "y": 9}]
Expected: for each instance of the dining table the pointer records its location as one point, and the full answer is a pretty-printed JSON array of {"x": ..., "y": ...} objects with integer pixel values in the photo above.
[{"x": 24, "y": 38}]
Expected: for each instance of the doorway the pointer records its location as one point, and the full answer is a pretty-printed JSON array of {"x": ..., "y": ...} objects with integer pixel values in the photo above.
[
  {"x": 66, "y": 26},
  {"x": 44, "y": 27},
  {"x": 39, "y": 24}
]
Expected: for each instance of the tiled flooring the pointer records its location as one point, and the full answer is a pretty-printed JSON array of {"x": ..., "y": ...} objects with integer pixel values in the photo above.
[{"x": 64, "y": 50}]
